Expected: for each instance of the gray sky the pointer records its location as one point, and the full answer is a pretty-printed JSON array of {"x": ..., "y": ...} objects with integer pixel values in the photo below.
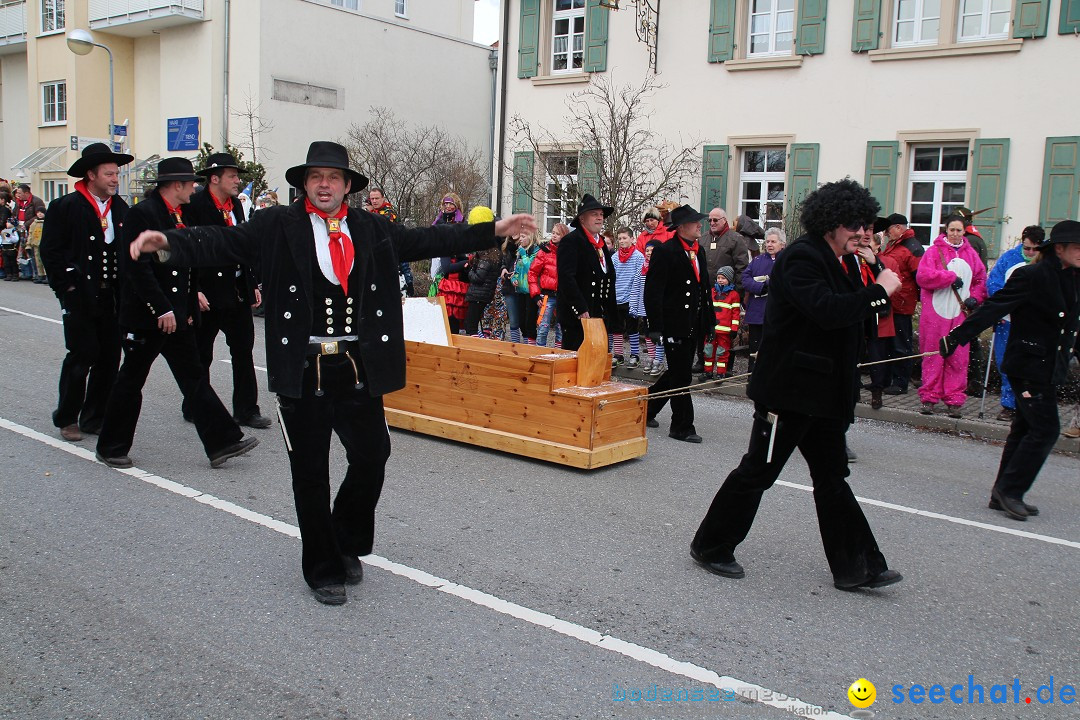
[{"x": 486, "y": 21}]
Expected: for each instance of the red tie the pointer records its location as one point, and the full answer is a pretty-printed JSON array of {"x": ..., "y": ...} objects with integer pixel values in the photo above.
[
  {"x": 225, "y": 208},
  {"x": 341, "y": 247},
  {"x": 693, "y": 251},
  {"x": 176, "y": 212}
]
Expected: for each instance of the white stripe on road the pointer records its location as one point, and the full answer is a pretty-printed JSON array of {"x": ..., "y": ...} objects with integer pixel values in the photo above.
[
  {"x": 648, "y": 656},
  {"x": 227, "y": 361},
  {"x": 31, "y": 315}
]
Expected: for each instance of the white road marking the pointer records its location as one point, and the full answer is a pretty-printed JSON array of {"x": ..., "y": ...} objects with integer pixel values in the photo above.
[
  {"x": 229, "y": 362},
  {"x": 648, "y": 656},
  {"x": 31, "y": 315}
]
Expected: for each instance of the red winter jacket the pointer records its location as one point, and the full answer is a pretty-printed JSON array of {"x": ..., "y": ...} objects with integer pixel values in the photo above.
[
  {"x": 543, "y": 273},
  {"x": 903, "y": 257},
  {"x": 727, "y": 311}
]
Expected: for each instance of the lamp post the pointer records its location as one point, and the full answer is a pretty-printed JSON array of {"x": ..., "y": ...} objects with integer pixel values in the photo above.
[{"x": 81, "y": 42}]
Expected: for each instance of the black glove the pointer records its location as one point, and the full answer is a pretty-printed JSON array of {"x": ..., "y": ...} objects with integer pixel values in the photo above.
[
  {"x": 971, "y": 303},
  {"x": 947, "y": 346},
  {"x": 958, "y": 284}
]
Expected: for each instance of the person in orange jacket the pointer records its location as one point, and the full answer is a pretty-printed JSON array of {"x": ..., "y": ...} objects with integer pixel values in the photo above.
[{"x": 725, "y": 300}]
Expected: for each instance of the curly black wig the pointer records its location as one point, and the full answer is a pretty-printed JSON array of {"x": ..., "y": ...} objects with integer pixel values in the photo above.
[{"x": 841, "y": 203}]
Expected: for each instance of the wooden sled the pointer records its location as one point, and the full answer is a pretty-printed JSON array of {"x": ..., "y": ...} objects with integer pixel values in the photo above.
[{"x": 522, "y": 399}]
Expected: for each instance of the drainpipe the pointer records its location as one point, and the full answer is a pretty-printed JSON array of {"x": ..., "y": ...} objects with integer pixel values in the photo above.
[
  {"x": 493, "y": 63},
  {"x": 497, "y": 151},
  {"x": 225, "y": 108}
]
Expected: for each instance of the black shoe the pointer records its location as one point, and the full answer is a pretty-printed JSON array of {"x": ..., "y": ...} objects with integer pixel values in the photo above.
[
  {"x": 330, "y": 594},
  {"x": 1006, "y": 414},
  {"x": 1010, "y": 506},
  {"x": 91, "y": 429},
  {"x": 218, "y": 458},
  {"x": 886, "y": 577},
  {"x": 954, "y": 411},
  {"x": 120, "y": 461},
  {"x": 895, "y": 390},
  {"x": 688, "y": 437},
  {"x": 728, "y": 568},
  {"x": 851, "y": 456},
  {"x": 1032, "y": 510},
  {"x": 257, "y": 421},
  {"x": 189, "y": 419},
  {"x": 354, "y": 569},
  {"x": 875, "y": 399},
  {"x": 650, "y": 422}
]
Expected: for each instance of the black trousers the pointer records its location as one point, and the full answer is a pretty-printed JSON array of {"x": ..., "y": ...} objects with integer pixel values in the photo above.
[
  {"x": 473, "y": 316},
  {"x": 877, "y": 349},
  {"x": 680, "y": 358},
  {"x": 348, "y": 528},
  {"x": 754, "y": 333},
  {"x": 902, "y": 346},
  {"x": 239, "y": 329},
  {"x": 215, "y": 425},
  {"x": 573, "y": 334},
  {"x": 1032, "y": 435},
  {"x": 849, "y": 543},
  {"x": 89, "y": 368}
]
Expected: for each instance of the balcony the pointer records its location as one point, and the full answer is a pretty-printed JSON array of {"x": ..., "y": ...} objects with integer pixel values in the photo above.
[
  {"x": 12, "y": 27},
  {"x": 136, "y": 18}
]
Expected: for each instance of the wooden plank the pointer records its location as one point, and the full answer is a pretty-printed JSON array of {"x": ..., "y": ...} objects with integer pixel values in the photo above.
[
  {"x": 593, "y": 357},
  {"x": 508, "y": 442}
]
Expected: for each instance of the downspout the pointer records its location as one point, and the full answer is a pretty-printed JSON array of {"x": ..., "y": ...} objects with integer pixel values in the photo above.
[
  {"x": 225, "y": 108},
  {"x": 497, "y": 152},
  {"x": 493, "y": 63}
]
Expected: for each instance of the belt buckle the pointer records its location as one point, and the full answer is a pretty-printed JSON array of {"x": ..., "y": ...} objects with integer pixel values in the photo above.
[{"x": 328, "y": 348}]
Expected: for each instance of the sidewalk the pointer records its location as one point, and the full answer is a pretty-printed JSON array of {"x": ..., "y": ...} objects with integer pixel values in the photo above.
[{"x": 904, "y": 409}]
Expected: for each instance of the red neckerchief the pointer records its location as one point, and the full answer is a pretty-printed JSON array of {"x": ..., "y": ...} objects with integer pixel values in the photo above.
[
  {"x": 103, "y": 217},
  {"x": 645, "y": 266},
  {"x": 598, "y": 243},
  {"x": 625, "y": 253},
  {"x": 225, "y": 208},
  {"x": 176, "y": 212},
  {"x": 864, "y": 269},
  {"x": 341, "y": 246},
  {"x": 723, "y": 229},
  {"x": 972, "y": 230},
  {"x": 21, "y": 207},
  {"x": 693, "y": 251}
]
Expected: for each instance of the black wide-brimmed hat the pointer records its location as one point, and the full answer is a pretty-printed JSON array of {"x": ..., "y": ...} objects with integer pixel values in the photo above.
[
  {"x": 324, "y": 154},
  {"x": 96, "y": 154},
  {"x": 684, "y": 214},
  {"x": 1066, "y": 231},
  {"x": 175, "y": 169},
  {"x": 588, "y": 202},
  {"x": 217, "y": 162},
  {"x": 881, "y": 224}
]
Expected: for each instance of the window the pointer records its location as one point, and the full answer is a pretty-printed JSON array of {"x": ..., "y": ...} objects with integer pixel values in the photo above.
[
  {"x": 52, "y": 15},
  {"x": 347, "y": 4},
  {"x": 568, "y": 36},
  {"x": 400, "y": 8},
  {"x": 560, "y": 189},
  {"x": 916, "y": 22},
  {"x": 983, "y": 20},
  {"x": 761, "y": 185},
  {"x": 937, "y": 186},
  {"x": 54, "y": 103},
  {"x": 52, "y": 189},
  {"x": 771, "y": 27}
]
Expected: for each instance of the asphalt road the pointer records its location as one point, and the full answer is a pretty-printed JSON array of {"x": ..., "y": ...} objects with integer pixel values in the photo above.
[{"x": 123, "y": 595}]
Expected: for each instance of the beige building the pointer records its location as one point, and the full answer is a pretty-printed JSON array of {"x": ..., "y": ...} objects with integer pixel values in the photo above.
[
  {"x": 183, "y": 69},
  {"x": 931, "y": 103}
]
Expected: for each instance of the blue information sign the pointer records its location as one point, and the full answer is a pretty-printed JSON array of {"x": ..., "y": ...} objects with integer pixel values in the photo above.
[{"x": 183, "y": 134}]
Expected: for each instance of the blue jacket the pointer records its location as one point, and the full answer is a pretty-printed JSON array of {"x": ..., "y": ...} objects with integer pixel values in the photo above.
[{"x": 757, "y": 293}]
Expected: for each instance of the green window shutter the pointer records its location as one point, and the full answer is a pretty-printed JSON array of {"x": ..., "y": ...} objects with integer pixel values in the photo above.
[
  {"x": 1029, "y": 18},
  {"x": 880, "y": 180},
  {"x": 588, "y": 174},
  {"x": 989, "y": 167},
  {"x": 802, "y": 173},
  {"x": 722, "y": 31},
  {"x": 810, "y": 35},
  {"x": 714, "y": 169},
  {"x": 596, "y": 32},
  {"x": 1061, "y": 181},
  {"x": 529, "y": 38},
  {"x": 524, "y": 165},
  {"x": 1070, "y": 17},
  {"x": 866, "y": 27}
]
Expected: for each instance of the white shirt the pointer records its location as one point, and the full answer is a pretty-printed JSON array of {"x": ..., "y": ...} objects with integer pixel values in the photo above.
[
  {"x": 110, "y": 231},
  {"x": 600, "y": 253},
  {"x": 322, "y": 246}
]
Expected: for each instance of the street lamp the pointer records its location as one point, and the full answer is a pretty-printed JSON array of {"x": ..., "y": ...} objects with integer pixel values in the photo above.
[{"x": 81, "y": 42}]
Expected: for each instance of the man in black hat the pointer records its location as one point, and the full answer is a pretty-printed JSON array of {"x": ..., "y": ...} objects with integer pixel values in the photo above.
[
  {"x": 157, "y": 311},
  {"x": 79, "y": 252},
  {"x": 678, "y": 303},
  {"x": 803, "y": 388},
  {"x": 334, "y": 339},
  {"x": 1043, "y": 302},
  {"x": 227, "y": 293},
  {"x": 586, "y": 275},
  {"x": 902, "y": 251}
]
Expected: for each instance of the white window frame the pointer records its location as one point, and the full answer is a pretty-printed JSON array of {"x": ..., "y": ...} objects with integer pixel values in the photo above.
[
  {"x": 401, "y": 8},
  {"x": 346, "y": 4},
  {"x": 762, "y": 180},
  {"x": 917, "y": 24},
  {"x": 53, "y": 18},
  {"x": 939, "y": 178},
  {"x": 566, "y": 202},
  {"x": 984, "y": 21},
  {"x": 59, "y": 106},
  {"x": 773, "y": 14},
  {"x": 52, "y": 189},
  {"x": 572, "y": 47}
]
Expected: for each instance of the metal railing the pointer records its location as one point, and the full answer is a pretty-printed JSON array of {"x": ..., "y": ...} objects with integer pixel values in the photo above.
[
  {"x": 12, "y": 22},
  {"x": 134, "y": 10}
]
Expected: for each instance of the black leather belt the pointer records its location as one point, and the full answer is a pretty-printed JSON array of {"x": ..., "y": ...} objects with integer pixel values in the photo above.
[{"x": 337, "y": 347}]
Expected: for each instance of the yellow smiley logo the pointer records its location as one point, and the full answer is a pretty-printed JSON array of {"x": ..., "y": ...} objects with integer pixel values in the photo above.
[{"x": 862, "y": 693}]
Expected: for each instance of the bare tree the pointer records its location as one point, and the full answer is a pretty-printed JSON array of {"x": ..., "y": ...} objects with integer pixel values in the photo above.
[
  {"x": 619, "y": 157},
  {"x": 415, "y": 164},
  {"x": 254, "y": 127}
]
